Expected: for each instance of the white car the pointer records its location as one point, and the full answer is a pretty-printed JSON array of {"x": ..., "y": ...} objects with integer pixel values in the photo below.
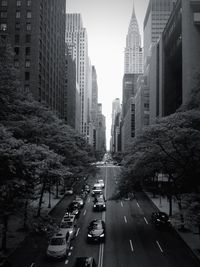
[
  {"x": 69, "y": 191},
  {"x": 59, "y": 246},
  {"x": 79, "y": 200},
  {"x": 97, "y": 189},
  {"x": 68, "y": 224},
  {"x": 101, "y": 182}
]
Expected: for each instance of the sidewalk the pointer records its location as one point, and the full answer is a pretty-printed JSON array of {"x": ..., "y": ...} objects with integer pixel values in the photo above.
[
  {"x": 16, "y": 234},
  {"x": 191, "y": 238}
]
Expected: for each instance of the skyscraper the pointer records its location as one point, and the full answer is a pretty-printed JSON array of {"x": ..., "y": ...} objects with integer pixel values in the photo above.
[
  {"x": 133, "y": 54},
  {"x": 76, "y": 38},
  {"x": 36, "y": 31}
]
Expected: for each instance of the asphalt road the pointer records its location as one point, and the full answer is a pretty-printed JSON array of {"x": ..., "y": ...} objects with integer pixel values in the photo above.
[{"x": 131, "y": 239}]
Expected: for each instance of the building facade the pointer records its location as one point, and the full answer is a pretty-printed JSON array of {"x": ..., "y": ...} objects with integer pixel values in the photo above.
[
  {"x": 36, "y": 31},
  {"x": 76, "y": 38},
  {"x": 116, "y": 109}
]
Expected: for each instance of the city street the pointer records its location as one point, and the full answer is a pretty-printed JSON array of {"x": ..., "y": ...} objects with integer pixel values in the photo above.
[{"x": 130, "y": 236}]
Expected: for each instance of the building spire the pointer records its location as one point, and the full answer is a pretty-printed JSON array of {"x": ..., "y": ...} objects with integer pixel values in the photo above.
[{"x": 133, "y": 12}]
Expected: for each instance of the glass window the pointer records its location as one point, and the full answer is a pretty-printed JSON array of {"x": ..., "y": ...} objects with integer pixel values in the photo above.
[
  {"x": 19, "y": 3},
  {"x": 27, "y": 75},
  {"x": 28, "y": 51},
  {"x": 28, "y": 26},
  {"x": 16, "y": 50},
  {"x": 3, "y": 14},
  {"x": 3, "y": 26},
  {"x": 27, "y": 63},
  {"x": 4, "y": 3},
  {"x": 28, "y": 15},
  {"x": 28, "y": 38},
  {"x": 18, "y": 14},
  {"x": 27, "y": 88},
  {"x": 17, "y": 26},
  {"x": 28, "y": 2},
  {"x": 16, "y": 63},
  {"x": 17, "y": 38}
]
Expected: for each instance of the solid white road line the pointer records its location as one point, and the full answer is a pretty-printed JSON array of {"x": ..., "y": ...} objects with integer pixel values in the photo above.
[
  {"x": 77, "y": 232},
  {"x": 84, "y": 212},
  {"x": 146, "y": 220},
  {"x": 125, "y": 219},
  {"x": 122, "y": 204},
  {"x": 138, "y": 205},
  {"x": 101, "y": 251},
  {"x": 131, "y": 245},
  {"x": 159, "y": 246}
]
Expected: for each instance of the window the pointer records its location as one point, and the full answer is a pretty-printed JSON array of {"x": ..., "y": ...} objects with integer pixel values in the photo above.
[
  {"x": 27, "y": 76},
  {"x": 28, "y": 26},
  {"x": 17, "y": 38},
  {"x": 28, "y": 2},
  {"x": 18, "y": 14},
  {"x": 19, "y": 3},
  {"x": 16, "y": 50},
  {"x": 28, "y": 38},
  {"x": 28, "y": 15},
  {"x": 28, "y": 51},
  {"x": 3, "y": 15},
  {"x": 16, "y": 63},
  {"x": 27, "y": 88},
  {"x": 3, "y": 26},
  {"x": 17, "y": 26},
  {"x": 27, "y": 63},
  {"x": 4, "y": 3}
]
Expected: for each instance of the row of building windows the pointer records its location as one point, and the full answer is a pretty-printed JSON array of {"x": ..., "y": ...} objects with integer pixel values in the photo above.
[
  {"x": 18, "y": 3},
  {"x": 28, "y": 15},
  {"x": 27, "y": 51}
]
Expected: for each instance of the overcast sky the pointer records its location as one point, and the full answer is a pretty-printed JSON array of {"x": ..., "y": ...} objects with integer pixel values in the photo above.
[{"x": 107, "y": 24}]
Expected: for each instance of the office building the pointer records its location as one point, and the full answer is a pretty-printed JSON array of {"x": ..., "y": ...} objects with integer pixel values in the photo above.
[
  {"x": 101, "y": 131},
  {"x": 36, "y": 31},
  {"x": 76, "y": 37}
]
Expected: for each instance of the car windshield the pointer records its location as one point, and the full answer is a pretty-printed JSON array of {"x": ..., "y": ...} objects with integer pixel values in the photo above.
[
  {"x": 97, "y": 226},
  {"x": 57, "y": 241},
  {"x": 66, "y": 224}
]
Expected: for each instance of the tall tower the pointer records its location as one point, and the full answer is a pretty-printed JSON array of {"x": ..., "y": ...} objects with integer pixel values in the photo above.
[
  {"x": 133, "y": 55},
  {"x": 76, "y": 38}
]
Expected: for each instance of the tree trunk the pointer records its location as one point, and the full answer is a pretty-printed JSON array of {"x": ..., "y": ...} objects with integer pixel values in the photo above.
[
  {"x": 56, "y": 189},
  {"x": 40, "y": 200},
  {"x": 170, "y": 204},
  {"x": 4, "y": 237}
]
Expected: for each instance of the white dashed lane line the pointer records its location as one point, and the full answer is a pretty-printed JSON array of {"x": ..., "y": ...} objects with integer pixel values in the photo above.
[
  {"x": 125, "y": 219},
  {"x": 84, "y": 212},
  {"x": 138, "y": 205},
  {"x": 77, "y": 232},
  {"x": 146, "y": 220},
  {"x": 89, "y": 200},
  {"x": 131, "y": 245},
  {"x": 159, "y": 246},
  {"x": 122, "y": 204}
]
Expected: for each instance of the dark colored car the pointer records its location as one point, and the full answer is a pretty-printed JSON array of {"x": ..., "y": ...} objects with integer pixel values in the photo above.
[
  {"x": 99, "y": 204},
  {"x": 160, "y": 219},
  {"x": 85, "y": 262},
  {"x": 74, "y": 208},
  {"x": 96, "y": 231}
]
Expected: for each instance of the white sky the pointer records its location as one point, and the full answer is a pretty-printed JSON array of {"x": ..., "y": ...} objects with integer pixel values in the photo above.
[{"x": 107, "y": 24}]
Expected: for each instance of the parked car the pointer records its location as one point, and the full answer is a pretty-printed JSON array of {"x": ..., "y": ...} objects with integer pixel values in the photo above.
[
  {"x": 85, "y": 262},
  {"x": 68, "y": 224},
  {"x": 59, "y": 246},
  {"x": 160, "y": 219},
  {"x": 99, "y": 204},
  {"x": 69, "y": 191},
  {"x": 101, "y": 182},
  {"x": 86, "y": 188},
  {"x": 74, "y": 208},
  {"x": 96, "y": 231}
]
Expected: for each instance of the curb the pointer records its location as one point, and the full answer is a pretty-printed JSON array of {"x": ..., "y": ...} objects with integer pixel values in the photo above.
[{"x": 193, "y": 253}]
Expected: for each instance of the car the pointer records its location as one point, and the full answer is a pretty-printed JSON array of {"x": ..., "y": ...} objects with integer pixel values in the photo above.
[
  {"x": 59, "y": 246},
  {"x": 160, "y": 219},
  {"x": 79, "y": 200},
  {"x": 86, "y": 188},
  {"x": 101, "y": 182},
  {"x": 99, "y": 204},
  {"x": 69, "y": 191},
  {"x": 68, "y": 226},
  {"x": 96, "y": 231},
  {"x": 74, "y": 208},
  {"x": 97, "y": 189},
  {"x": 85, "y": 262}
]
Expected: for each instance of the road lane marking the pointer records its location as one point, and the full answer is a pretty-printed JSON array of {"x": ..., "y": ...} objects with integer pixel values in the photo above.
[
  {"x": 131, "y": 245},
  {"x": 125, "y": 219},
  {"x": 89, "y": 200},
  {"x": 159, "y": 246},
  {"x": 32, "y": 264},
  {"x": 146, "y": 220},
  {"x": 138, "y": 205},
  {"x": 122, "y": 204},
  {"x": 101, "y": 251},
  {"x": 66, "y": 262},
  {"x": 71, "y": 248},
  {"x": 77, "y": 232},
  {"x": 84, "y": 212}
]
